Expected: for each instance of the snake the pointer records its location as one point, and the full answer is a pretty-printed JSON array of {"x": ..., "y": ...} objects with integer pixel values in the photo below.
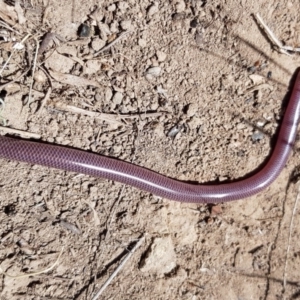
[{"x": 93, "y": 164}]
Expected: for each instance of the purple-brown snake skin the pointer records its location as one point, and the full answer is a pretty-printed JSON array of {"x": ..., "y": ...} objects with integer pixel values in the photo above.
[{"x": 100, "y": 166}]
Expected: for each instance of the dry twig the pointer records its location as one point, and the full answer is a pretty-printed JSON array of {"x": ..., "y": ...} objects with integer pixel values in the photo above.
[
  {"x": 110, "y": 118},
  {"x": 282, "y": 48},
  {"x": 9, "y": 27},
  {"x": 33, "y": 70},
  {"x": 122, "y": 35},
  {"x": 102, "y": 116},
  {"x": 12, "y": 53},
  {"x": 289, "y": 239},
  {"x": 37, "y": 272},
  {"x": 15, "y": 79},
  {"x": 24, "y": 134},
  {"x": 114, "y": 274},
  {"x": 45, "y": 100},
  {"x": 2, "y": 105}
]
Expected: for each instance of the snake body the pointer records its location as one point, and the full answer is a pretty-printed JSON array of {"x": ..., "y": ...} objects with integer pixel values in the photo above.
[{"x": 106, "y": 167}]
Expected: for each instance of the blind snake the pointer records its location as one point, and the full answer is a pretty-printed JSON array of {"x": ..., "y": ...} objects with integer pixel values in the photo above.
[{"x": 101, "y": 166}]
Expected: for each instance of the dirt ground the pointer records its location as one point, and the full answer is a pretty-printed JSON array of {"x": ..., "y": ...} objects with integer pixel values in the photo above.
[{"x": 200, "y": 88}]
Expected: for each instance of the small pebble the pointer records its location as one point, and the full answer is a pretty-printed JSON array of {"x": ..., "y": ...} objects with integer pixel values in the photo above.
[
  {"x": 269, "y": 74},
  {"x": 174, "y": 130},
  {"x": 114, "y": 27},
  {"x": 98, "y": 44},
  {"x": 180, "y": 6},
  {"x": 240, "y": 126},
  {"x": 112, "y": 7},
  {"x": 108, "y": 94},
  {"x": 153, "y": 9},
  {"x": 199, "y": 37},
  {"x": 117, "y": 98},
  {"x": 159, "y": 130},
  {"x": 256, "y": 79},
  {"x": 251, "y": 69},
  {"x": 84, "y": 30},
  {"x": 92, "y": 67},
  {"x": 154, "y": 71},
  {"x": 257, "y": 136},
  {"x": 202, "y": 14},
  {"x": 267, "y": 117},
  {"x": 194, "y": 23},
  {"x": 39, "y": 76},
  {"x": 260, "y": 123},
  {"x": 161, "y": 56},
  {"x": 142, "y": 43},
  {"x": 178, "y": 17},
  {"x": 126, "y": 24},
  {"x": 268, "y": 127},
  {"x": 222, "y": 178},
  {"x": 98, "y": 97},
  {"x": 117, "y": 149},
  {"x": 192, "y": 109},
  {"x": 162, "y": 91}
]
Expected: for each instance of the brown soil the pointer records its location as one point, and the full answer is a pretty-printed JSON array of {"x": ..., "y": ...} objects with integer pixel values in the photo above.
[{"x": 211, "y": 79}]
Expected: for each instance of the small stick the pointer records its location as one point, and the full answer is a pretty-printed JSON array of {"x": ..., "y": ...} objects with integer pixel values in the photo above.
[
  {"x": 2, "y": 103},
  {"x": 45, "y": 99},
  {"x": 122, "y": 35},
  {"x": 24, "y": 134},
  {"x": 111, "y": 118},
  {"x": 289, "y": 239},
  {"x": 102, "y": 116},
  {"x": 271, "y": 35},
  {"x": 290, "y": 48},
  {"x": 114, "y": 274},
  {"x": 33, "y": 70},
  {"x": 36, "y": 272},
  {"x": 12, "y": 53},
  {"x": 9, "y": 28},
  {"x": 259, "y": 87},
  {"x": 20, "y": 12},
  {"x": 2, "y": 86},
  {"x": 268, "y": 31},
  {"x": 141, "y": 115}
]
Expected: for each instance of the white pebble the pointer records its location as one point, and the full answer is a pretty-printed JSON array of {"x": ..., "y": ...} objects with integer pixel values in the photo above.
[
  {"x": 260, "y": 123},
  {"x": 40, "y": 76},
  {"x": 154, "y": 71},
  {"x": 153, "y": 9},
  {"x": 180, "y": 6},
  {"x": 117, "y": 149},
  {"x": 126, "y": 24},
  {"x": 192, "y": 109},
  {"x": 108, "y": 94},
  {"x": 112, "y": 7},
  {"x": 117, "y": 98},
  {"x": 257, "y": 136}
]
